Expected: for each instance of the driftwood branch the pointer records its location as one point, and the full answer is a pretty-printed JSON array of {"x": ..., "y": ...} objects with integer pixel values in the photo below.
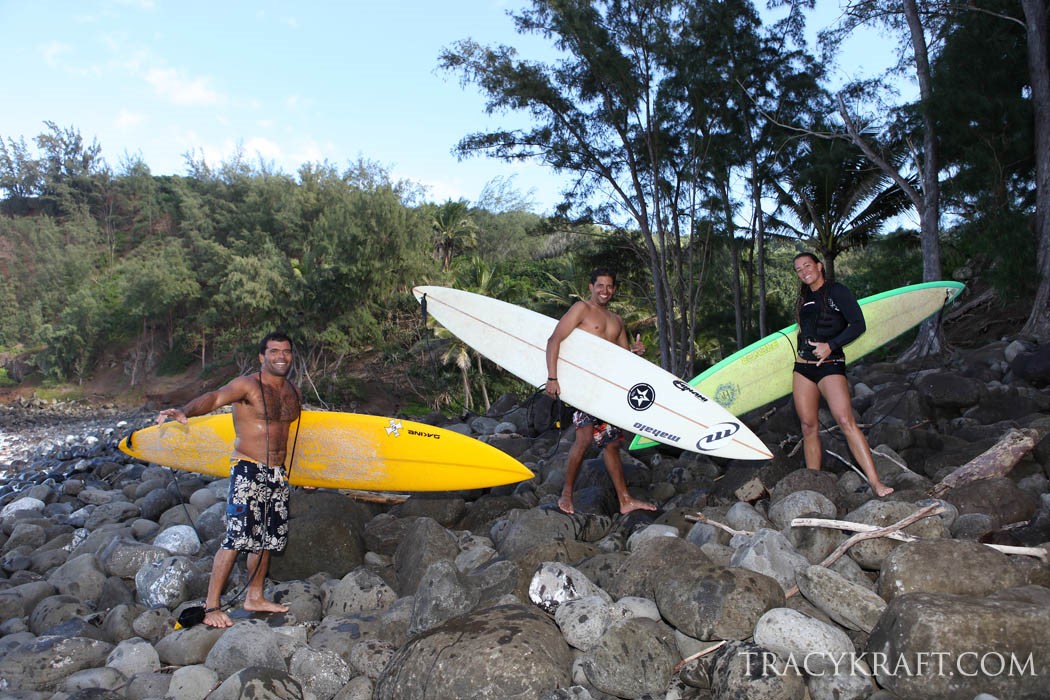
[
  {"x": 703, "y": 652},
  {"x": 701, "y": 518},
  {"x": 996, "y": 461},
  {"x": 904, "y": 537},
  {"x": 932, "y": 509},
  {"x": 892, "y": 458}
]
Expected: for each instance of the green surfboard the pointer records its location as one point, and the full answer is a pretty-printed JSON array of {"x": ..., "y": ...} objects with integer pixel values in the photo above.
[{"x": 761, "y": 373}]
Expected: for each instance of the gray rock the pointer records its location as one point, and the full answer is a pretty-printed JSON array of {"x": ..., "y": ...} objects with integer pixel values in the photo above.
[
  {"x": 871, "y": 553},
  {"x": 444, "y": 509},
  {"x": 743, "y": 516},
  {"x": 20, "y": 600},
  {"x": 148, "y": 685},
  {"x": 770, "y": 553},
  {"x": 852, "y": 606},
  {"x": 640, "y": 572},
  {"x": 952, "y": 636},
  {"x": 583, "y": 621},
  {"x": 808, "y": 644},
  {"x": 443, "y": 593},
  {"x": 94, "y": 678},
  {"x": 370, "y": 656},
  {"x": 111, "y": 513},
  {"x": 423, "y": 544},
  {"x": 520, "y": 530},
  {"x": 360, "y": 590},
  {"x": 179, "y": 539},
  {"x": 524, "y": 654},
  {"x": 54, "y": 610},
  {"x": 555, "y": 583},
  {"x": 193, "y": 682},
  {"x": 800, "y": 503},
  {"x": 649, "y": 532},
  {"x": 125, "y": 557},
  {"x": 165, "y": 583},
  {"x": 634, "y": 657},
  {"x": 46, "y": 662},
  {"x": 747, "y": 671},
  {"x": 261, "y": 683},
  {"x": 303, "y": 598},
  {"x": 248, "y": 642},
  {"x": 935, "y": 566},
  {"x": 132, "y": 656},
  {"x": 716, "y": 603},
  {"x": 321, "y": 672},
  {"x": 187, "y": 647}
]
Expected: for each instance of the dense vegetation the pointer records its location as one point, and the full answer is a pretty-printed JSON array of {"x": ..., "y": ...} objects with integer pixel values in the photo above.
[{"x": 673, "y": 156}]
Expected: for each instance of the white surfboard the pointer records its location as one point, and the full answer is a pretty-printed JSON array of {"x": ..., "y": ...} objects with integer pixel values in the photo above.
[{"x": 595, "y": 376}]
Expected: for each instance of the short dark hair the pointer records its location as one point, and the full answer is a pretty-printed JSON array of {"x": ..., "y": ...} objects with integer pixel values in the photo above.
[
  {"x": 602, "y": 272},
  {"x": 276, "y": 335}
]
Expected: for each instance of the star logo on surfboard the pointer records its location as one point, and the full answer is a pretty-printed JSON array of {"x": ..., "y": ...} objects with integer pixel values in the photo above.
[
  {"x": 641, "y": 397},
  {"x": 394, "y": 428}
]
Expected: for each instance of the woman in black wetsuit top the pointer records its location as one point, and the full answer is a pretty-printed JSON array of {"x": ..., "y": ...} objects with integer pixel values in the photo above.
[{"x": 829, "y": 317}]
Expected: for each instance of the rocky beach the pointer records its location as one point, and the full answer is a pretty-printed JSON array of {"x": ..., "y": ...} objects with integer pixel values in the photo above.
[{"x": 756, "y": 580}]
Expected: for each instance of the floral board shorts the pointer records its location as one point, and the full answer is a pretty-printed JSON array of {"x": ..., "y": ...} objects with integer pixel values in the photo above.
[
  {"x": 604, "y": 434},
  {"x": 256, "y": 508}
]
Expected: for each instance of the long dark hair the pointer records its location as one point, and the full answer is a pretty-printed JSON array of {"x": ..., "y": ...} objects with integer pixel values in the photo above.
[{"x": 802, "y": 287}]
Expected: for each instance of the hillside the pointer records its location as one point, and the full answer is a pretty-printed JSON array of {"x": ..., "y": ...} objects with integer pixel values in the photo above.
[{"x": 977, "y": 319}]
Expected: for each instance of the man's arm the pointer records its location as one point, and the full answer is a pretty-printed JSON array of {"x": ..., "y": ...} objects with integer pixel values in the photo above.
[
  {"x": 568, "y": 323},
  {"x": 206, "y": 403}
]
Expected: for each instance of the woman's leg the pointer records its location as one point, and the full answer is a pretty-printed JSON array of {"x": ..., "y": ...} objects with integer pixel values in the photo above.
[
  {"x": 835, "y": 389},
  {"x": 807, "y": 405}
]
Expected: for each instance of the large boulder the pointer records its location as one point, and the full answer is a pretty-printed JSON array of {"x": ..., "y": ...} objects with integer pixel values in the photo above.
[{"x": 524, "y": 655}]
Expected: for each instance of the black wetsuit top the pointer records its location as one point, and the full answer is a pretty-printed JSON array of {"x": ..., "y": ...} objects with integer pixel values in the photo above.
[{"x": 829, "y": 315}]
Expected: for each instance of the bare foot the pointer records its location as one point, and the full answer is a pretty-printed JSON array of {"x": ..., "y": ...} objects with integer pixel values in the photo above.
[
  {"x": 881, "y": 490},
  {"x": 565, "y": 505},
  {"x": 631, "y": 504},
  {"x": 217, "y": 618},
  {"x": 263, "y": 605}
]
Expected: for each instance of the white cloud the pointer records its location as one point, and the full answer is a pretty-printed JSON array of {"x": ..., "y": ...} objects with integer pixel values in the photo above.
[
  {"x": 53, "y": 51},
  {"x": 262, "y": 148},
  {"x": 126, "y": 119},
  {"x": 176, "y": 88}
]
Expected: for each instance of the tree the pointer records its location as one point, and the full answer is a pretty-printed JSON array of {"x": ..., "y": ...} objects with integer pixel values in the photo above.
[
  {"x": 454, "y": 231},
  {"x": 918, "y": 25},
  {"x": 837, "y": 198},
  {"x": 618, "y": 115},
  {"x": 1038, "y": 323}
]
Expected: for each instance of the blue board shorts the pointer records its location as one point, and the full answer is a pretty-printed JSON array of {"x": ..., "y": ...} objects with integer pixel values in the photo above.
[
  {"x": 604, "y": 434},
  {"x": 256, "y": 507}
]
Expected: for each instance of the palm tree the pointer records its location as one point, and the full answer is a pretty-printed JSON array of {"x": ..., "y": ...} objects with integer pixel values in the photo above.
[
  {"x": 481, "y": 278},
  {"x": 836, "y": 199},
  {"x": 454, "y": 231}
]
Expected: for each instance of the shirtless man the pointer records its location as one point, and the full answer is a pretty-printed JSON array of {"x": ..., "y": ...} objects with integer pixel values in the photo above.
[
  {"x": 264, "y": 406},
  {"x": 594, "y": 317}
]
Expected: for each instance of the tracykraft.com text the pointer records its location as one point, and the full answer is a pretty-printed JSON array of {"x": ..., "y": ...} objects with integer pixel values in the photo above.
[{"x": 925, "y": 663}]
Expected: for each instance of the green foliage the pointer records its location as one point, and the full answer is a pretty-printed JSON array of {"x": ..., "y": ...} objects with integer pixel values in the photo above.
[{"x": 5, "y": 379}]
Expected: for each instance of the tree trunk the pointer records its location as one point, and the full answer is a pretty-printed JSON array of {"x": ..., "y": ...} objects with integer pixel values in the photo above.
[
  {"x": 1038, "y": 323},
  {"x": 930, "y": 340}
]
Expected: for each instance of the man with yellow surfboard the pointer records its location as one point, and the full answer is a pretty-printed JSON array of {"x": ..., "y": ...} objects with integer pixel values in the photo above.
[{"x": 264, "y": 407}]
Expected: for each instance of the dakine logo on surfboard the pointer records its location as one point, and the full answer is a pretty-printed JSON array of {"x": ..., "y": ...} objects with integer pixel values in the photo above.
[
  {"x": 641, "y": 397},
  {"x": 717, "y": 435}
]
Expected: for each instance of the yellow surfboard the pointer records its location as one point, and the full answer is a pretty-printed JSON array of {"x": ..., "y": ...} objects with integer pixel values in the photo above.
[{"x": 340, "y": 451}]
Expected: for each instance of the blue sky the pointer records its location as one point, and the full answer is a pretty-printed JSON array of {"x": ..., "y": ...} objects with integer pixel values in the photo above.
[{"x": 287, "y": 82}]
